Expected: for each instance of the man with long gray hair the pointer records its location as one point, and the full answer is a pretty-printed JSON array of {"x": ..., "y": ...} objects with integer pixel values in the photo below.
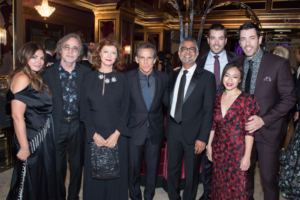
[{"x": 64, "y": 79}]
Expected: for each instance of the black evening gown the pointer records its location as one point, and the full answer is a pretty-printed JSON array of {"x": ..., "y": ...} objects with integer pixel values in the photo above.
[
  {"x": 104, "y": 109},
  {"x": 35, "y": 178}
]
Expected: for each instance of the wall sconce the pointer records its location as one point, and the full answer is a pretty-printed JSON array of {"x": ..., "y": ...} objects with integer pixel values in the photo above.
[
  {"x": 3, "y": 40},
  {"x": 45, "y": 10},
  {"x": 127, "y": 49}
]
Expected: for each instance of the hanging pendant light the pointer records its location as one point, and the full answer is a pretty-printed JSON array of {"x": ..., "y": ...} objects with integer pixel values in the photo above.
[{"x": 45, "y": 10}]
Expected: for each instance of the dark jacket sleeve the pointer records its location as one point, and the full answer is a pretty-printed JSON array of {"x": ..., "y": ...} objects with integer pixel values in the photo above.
[
  {"x": 208, "y": 109},
  {"x": 85, "y": 114},
  {"x": 286, "y": 88},
  {"x": 166, "y": 98},
  {"x": 123, "y": 121}
]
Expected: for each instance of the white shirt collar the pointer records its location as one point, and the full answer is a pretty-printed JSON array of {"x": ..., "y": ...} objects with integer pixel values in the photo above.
[
  {"x": 222, "y": 54},
  {"x": 190, "y": 70}
]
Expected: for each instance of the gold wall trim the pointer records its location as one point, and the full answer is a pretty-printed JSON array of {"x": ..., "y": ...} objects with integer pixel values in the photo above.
[
  {"x": 89, "y": 5},
  {"x": 31, "y": 11},
  {"x": 283, "y": 8}
]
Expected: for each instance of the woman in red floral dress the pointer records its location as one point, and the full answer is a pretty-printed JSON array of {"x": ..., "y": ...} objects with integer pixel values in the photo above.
[{"x": 229, "y": 145}]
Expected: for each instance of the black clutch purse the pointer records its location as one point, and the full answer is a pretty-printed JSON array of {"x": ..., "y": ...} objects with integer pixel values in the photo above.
[{"x": 105, "y": 162}]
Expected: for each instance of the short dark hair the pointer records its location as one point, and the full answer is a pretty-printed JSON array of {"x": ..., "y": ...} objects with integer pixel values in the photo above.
[
  {"x": 50, "y": 44},
  {"x": 161, "y": 55},
  {"x": 145, "y": 45},
  {"x": 217, "y": 27},
  {"x": 248, "y": 26},
  {"x": 232, "y": 65},
  {"x": 85, "y": 50}
]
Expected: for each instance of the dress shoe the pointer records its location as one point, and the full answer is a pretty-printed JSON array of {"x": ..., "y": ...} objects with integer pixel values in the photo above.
[{"x": 204, "y": 197}]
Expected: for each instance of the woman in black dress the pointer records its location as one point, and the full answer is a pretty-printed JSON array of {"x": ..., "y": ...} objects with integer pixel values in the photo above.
[
  {"x": 104, "y": 111},
  {"x": 31, "y": 105}
]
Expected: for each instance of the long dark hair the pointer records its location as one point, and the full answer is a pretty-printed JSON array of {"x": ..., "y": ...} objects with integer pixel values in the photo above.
[
  {"x": 229, "y": 66},
  {"x": 23, "y": 56}
]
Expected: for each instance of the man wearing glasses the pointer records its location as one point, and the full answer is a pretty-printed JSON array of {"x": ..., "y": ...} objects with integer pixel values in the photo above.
[
  {"x": 64, "y": 79},
  {"x": 189, "y": 120}
]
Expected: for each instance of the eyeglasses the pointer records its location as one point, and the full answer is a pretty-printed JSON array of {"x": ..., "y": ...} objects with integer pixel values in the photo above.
[
  {"x": 67, "y": 48},
  {"x": 191, "y": 49}
]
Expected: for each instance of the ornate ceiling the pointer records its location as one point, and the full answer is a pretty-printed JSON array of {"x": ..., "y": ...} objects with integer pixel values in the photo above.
[{"x": 273, "y": 14}]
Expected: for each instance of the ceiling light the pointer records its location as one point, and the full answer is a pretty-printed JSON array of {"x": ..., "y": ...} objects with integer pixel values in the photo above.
[{"x": 45, "y": 10}]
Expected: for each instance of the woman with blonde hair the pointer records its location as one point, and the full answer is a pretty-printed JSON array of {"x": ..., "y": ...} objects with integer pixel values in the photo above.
[
  {"x": 104, "y": 112},
  {"x": 281, "y": 51},
  {"x": 31, "y": 105}
]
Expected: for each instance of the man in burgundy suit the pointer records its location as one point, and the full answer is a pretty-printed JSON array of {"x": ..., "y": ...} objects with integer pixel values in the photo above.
[
  {"x": 269, "y": 78},
  {"x": 214, "y": 61}
]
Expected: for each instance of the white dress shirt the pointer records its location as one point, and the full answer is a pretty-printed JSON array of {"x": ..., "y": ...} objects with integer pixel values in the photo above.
[
  {"x": 189, "y": 76},
  {"x": 210, "y": 61}
]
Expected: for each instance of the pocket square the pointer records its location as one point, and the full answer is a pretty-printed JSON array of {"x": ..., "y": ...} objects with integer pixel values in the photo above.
[{"x": 267, "y": 79}]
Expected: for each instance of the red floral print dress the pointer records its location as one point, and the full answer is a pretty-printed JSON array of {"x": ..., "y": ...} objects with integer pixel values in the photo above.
[{"x": 228, "y": 147}]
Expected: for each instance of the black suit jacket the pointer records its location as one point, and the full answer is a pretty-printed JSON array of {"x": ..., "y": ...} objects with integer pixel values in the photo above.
[
  {"x": 50, "y": 59},
  {"x": 275, "y": 93},
  {"x": 198, "y": 106},
  {"x": 86, "y": 63},
  {"x": 138, "y": 112},
  {"x": 51, "y": 77}
]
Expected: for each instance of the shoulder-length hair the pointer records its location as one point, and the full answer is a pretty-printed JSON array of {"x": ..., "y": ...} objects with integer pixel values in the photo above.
[
  {"x": 117, "y": 66},
  {"x": 229, "y": 66},
  {"x": 63, "y": 40},
  {"x": 23, "y": 56}
]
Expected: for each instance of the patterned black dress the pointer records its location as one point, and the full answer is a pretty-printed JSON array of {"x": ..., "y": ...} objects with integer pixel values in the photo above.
[
  {"x": 228, "y": 147},
  {"x": 289, "y": 179},
  {"x": 35, "y": 179}
]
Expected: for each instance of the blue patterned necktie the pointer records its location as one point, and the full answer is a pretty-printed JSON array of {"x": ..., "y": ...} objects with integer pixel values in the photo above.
[{"x": 147, "y": 93}]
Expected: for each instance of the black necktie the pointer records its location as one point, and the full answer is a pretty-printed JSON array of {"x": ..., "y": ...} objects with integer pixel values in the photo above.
[
  {"x": 249, "y": 76},
  {"x": 147, "y": 93},
  {"x": 180, "y": 96}
]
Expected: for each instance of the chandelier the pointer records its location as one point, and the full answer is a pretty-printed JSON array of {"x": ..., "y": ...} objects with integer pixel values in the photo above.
[
  {"x": 45, "y": 10},
  {"x": 3, "y": 39}
]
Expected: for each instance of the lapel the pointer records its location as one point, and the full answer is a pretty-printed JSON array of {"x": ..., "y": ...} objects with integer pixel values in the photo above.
[
  {"x": 230, "y": 56},
  {"x": 138, "y": 85},
  {"x": 262, "y": 68},
  {"x": 193, "y": 83},
  {"x": 173, "y": 81},
  {"x": 202, "y": 60},
  {"x": 80, "y": 76},
  {"x": 57, "y": 78},
  {"x": 157, "y": 83}
]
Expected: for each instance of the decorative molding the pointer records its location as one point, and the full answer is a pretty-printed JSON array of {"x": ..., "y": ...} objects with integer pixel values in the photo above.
[{"x": 33, "y": 12}]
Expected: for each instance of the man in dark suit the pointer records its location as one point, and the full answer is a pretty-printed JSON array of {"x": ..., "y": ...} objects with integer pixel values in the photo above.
[
  {"x": 50, "y": 48},
  {"x": 189, "y": 120},
  {"x": 65, "y": 78},
  {"x": 148, "y": 91},
  {"x": 269, "y": 78},
  {"x": 84, "y": 60},
  {"x": 214, "y": 61}
]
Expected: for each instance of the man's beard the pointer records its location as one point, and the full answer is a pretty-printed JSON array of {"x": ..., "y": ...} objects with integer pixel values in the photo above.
[{"x": 188, "y": 62}]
